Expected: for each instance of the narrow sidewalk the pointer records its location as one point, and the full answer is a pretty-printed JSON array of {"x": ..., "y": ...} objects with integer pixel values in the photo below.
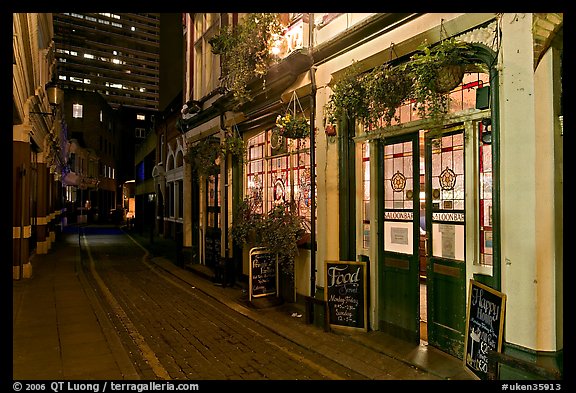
[{"x": 59, "y": 330}]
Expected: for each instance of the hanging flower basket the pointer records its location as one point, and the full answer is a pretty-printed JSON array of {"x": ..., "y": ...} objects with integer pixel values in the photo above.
[
  {"x": 293, "y": 127},
  {"x": 293, "y": 124}
]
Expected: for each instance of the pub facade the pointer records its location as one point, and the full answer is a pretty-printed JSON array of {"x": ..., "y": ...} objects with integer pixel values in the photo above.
[{"x": 428, "y": 205}]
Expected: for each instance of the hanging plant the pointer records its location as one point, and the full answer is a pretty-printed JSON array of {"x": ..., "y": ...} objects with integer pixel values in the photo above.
[
  {"x": 245, "y": 52},
  {"x": 293, "y": 124},
  {"x": 349, "y": 97},
  {"x": 436, "y": 70},
  {"x": 387, "y": 88},
  {"x": 234, "y": 145},
  {"x": 290, "y": 126},
  {"x": 204, "y": 156}
]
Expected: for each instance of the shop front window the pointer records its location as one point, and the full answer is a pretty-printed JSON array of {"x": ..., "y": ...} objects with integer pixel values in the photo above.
[{"x": 278, "y": 171}]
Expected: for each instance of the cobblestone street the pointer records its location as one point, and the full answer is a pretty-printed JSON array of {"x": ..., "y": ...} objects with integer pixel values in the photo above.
[{"x": 175, "y": 331}]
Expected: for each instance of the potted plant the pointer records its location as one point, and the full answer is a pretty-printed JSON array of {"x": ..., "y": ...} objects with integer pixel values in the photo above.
[
  {"x": 279, "y": 231},
  {"x": 436, "y": 70},
  {"x": 247, "y": 223}
]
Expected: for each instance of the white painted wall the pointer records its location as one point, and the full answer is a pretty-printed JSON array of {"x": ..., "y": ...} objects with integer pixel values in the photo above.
[{"x": 518, "y": 185}]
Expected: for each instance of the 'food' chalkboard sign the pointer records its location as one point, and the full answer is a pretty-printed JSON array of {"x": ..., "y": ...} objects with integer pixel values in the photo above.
[
  {"x": 263, "y": 273},
  {"x": 484, "y": 323},
  {"x": 346, "y": 294}
]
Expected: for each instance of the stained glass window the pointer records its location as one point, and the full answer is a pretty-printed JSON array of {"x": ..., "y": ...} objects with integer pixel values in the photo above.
[
  {"x": 278, "y": 170},
  {"x": 398, "y": 176},
  {"x": 399, "y": 197},
  {"x": 485, "y": 208},
  {"x": 447, "y": 177}
]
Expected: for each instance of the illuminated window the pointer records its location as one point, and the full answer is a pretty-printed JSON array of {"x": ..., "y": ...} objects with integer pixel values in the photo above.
[
  {"x": 448, "y": 182},
  {"x": 485, "y": 207},
  {"x": 278, "y": 170},
  {"x": 77, "y": 110},
  {"x": 365, "y": 195},
  {"x": 140, "y": 117}
]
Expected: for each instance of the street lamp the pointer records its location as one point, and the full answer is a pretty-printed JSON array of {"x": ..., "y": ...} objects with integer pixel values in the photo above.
[{"x": 55, "y": 98}]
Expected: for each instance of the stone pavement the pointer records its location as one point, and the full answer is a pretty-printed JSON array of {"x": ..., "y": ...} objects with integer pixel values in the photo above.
[
  {"x": 60, "y": 332},
  {"x": 54, "y": 337}
]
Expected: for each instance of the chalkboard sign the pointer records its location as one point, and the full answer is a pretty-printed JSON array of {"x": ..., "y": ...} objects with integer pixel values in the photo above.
[
  {"x": 345, "y": 291},
  {"x": 212, "y": 248},
  {"x": 263, "y": 273},
  {"x": 484, "y": 324}
]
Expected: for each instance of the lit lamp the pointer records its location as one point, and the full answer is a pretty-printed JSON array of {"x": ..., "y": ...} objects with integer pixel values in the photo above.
[{"x": 55, "y": 98}]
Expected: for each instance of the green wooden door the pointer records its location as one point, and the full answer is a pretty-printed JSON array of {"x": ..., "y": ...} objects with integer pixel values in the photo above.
[
  {"x": 446, "y": 269},
  {"x": 399, "y": 189}
]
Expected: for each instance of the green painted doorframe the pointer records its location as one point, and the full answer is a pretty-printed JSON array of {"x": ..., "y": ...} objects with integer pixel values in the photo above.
[{"x": 347, "y": 190}]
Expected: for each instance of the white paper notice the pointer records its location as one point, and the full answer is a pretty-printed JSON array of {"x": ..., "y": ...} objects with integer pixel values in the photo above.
[
  {"x": 448, "y": 241},
  {"x": 399, "y": 235}
]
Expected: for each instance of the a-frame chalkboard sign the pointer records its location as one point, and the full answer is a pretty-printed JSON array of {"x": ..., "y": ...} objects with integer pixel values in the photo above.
[
  {"x": 263, "y": 273},
  {"x": 346, "y": 294},
  {"x": 484, "y": 326}
]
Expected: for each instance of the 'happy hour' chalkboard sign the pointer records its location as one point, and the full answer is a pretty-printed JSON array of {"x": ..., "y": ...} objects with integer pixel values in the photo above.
[
  {"x": 346, "y": 294},
  {"x": 484, "y": 323},
  {"x": 263, "y": 269}
]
